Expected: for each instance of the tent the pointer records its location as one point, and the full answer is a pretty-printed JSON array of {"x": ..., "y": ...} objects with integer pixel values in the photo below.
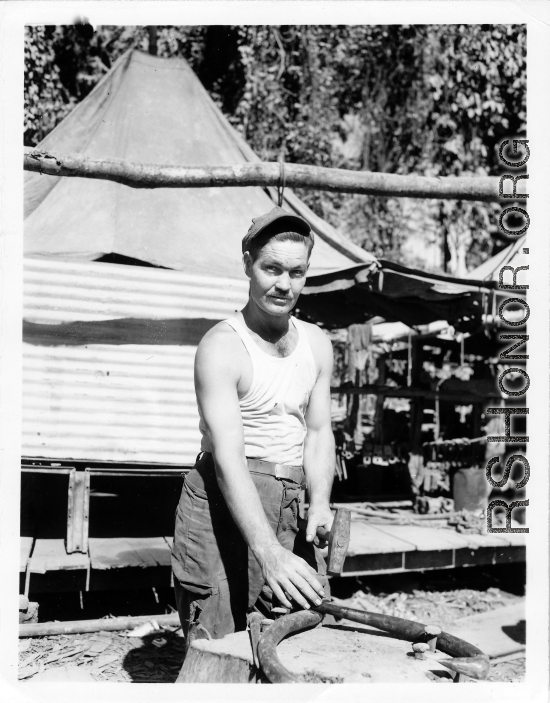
[
  {"x": 514, "y": 255},
  {"x": 155, "y": 110}
]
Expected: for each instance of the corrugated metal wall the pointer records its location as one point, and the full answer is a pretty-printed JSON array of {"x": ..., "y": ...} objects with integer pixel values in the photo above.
[{"x": 114, "y": 402}]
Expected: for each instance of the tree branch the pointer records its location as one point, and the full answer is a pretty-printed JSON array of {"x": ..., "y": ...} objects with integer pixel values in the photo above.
[{"x": 138, "y": 175}]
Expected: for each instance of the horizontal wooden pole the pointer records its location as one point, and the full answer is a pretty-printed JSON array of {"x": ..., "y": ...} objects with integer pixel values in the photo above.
[
  {"x": 138, "y": 175},
  {"x": 45, "y": 629},
  {"x": 401, "y": 392}
]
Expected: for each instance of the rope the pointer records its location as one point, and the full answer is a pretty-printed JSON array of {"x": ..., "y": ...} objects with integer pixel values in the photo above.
[{"x": 282, "y": 180}]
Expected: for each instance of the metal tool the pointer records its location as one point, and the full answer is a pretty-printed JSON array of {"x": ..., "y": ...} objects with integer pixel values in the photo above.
[
  {"x": 337, "y": 538},
  {"x": 470, "y": 660},
  {"x": 254, "y": 621}
]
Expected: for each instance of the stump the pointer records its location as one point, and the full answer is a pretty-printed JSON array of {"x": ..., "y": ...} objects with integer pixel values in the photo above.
[
  {"x": 329, "y": 654},
  {"x": 228, "y": 660}
]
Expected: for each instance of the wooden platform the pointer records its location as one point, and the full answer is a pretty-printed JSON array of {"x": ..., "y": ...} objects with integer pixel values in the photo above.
[
  {"x": 50, "y": 555},
  {"x": 380, "y": 548},
  {"x": 128, "y": 552},
  {"x": 373, "y": 549}
]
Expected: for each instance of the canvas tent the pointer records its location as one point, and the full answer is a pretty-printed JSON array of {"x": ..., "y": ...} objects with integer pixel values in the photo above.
[
  {"x": 512, "y": 255},
  {"x": 154, "y": 110}
]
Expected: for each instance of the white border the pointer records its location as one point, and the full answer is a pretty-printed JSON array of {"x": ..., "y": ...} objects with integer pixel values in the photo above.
[{"x": 13, "y": 17}]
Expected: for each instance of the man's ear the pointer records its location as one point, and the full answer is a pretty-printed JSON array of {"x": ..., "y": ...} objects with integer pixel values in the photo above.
[{"x": 247, "y": 263}]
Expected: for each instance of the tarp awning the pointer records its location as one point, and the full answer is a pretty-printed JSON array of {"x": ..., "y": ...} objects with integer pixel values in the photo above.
[{"x": 396, "y": 293}]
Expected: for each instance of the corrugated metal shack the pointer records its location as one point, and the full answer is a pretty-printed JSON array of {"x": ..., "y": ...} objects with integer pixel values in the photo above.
[{"x": 108, "y": 360}]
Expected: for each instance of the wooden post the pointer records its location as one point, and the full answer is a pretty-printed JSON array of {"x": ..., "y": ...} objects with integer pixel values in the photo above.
[
  {"x": 78, "y": 512},
  {"x": 354, "y": 404},
  {"x": 379, "y": 412},
  {"x": 416, "y": 463},
  {"x": 152, "y": 32}
]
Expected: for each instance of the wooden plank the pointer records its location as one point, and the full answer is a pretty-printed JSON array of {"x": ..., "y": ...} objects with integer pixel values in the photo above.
[
  {"x": 368, "y": 539},
  {"x": 25, "y": 549},
  {"x": 426, "y": 538},
  {"x": 495, "y": 632},
  {"x": 477, "y": 541},
  {"x": 51, "y": 555},
  {"x": 368, "y": 563},
  {"x": 507, "y": 555},
  {"x": 421, "y": 559},
  {"x": 122, "y": 552},
  {"x": 515, "y": 539}
]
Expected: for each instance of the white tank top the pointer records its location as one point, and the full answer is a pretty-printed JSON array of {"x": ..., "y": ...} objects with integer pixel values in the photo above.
[{"x": 274, "y": 407}]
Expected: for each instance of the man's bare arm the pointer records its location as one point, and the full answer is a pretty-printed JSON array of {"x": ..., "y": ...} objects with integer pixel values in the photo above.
[
  {"x": 319, "y": 451},
  {"x": 217, "y": 375}
]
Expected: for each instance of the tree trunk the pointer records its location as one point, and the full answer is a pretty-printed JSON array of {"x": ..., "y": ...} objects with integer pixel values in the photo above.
[{"x": 138, "y": 175}]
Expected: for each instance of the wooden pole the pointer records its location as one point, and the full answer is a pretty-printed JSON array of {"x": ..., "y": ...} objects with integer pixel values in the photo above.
[
  {"x": 459, "y": 397},
  {"x": 152, "y": 32},
  {"x": 138, "y": 175},
  {"x": 416, "y": 460},
  {"x": 45, "y": 629}
]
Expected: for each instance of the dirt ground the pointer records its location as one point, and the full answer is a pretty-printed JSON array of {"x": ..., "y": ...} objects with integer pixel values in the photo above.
[{"x": 441, "y": 597}]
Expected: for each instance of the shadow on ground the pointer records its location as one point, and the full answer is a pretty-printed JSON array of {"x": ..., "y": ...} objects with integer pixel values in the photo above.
[
  {"x": 148, "y": 663},
  {"x": 516, "y": 632}
]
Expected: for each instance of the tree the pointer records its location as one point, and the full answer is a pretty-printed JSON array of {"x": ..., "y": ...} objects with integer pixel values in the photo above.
[{"x": 426, "y": 99}]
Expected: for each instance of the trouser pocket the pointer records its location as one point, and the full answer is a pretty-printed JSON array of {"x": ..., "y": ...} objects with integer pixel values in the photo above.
[{"x": 208, "y": 546}]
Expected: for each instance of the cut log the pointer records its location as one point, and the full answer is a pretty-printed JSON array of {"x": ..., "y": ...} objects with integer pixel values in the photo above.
[{"x": 231, "y": 663}]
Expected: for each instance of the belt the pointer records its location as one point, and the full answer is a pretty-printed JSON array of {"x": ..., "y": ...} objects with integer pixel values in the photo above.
[{"x": 284, "y": 471}]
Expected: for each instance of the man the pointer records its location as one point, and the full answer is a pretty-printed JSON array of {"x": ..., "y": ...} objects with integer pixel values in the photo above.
[{"x": 262, "y": 380}]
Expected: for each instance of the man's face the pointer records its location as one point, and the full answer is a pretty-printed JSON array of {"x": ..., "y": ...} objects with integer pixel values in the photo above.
[{"x": 277, "y": 276}]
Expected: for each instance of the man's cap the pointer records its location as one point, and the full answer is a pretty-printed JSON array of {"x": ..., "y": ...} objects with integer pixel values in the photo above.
[{"x": 286, "y": 222}]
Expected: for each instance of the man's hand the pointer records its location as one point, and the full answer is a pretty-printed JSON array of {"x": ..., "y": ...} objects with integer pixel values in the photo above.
[
  {"x": 320, "y": 516},
  {"x": 290, "y": 578}
]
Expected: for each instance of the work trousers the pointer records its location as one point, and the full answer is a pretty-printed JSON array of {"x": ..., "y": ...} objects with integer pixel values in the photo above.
[{"x": 217, "y": 579}]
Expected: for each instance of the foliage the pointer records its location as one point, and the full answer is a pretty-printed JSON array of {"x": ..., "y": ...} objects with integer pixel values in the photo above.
[{"x": 433, "y": 100}]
